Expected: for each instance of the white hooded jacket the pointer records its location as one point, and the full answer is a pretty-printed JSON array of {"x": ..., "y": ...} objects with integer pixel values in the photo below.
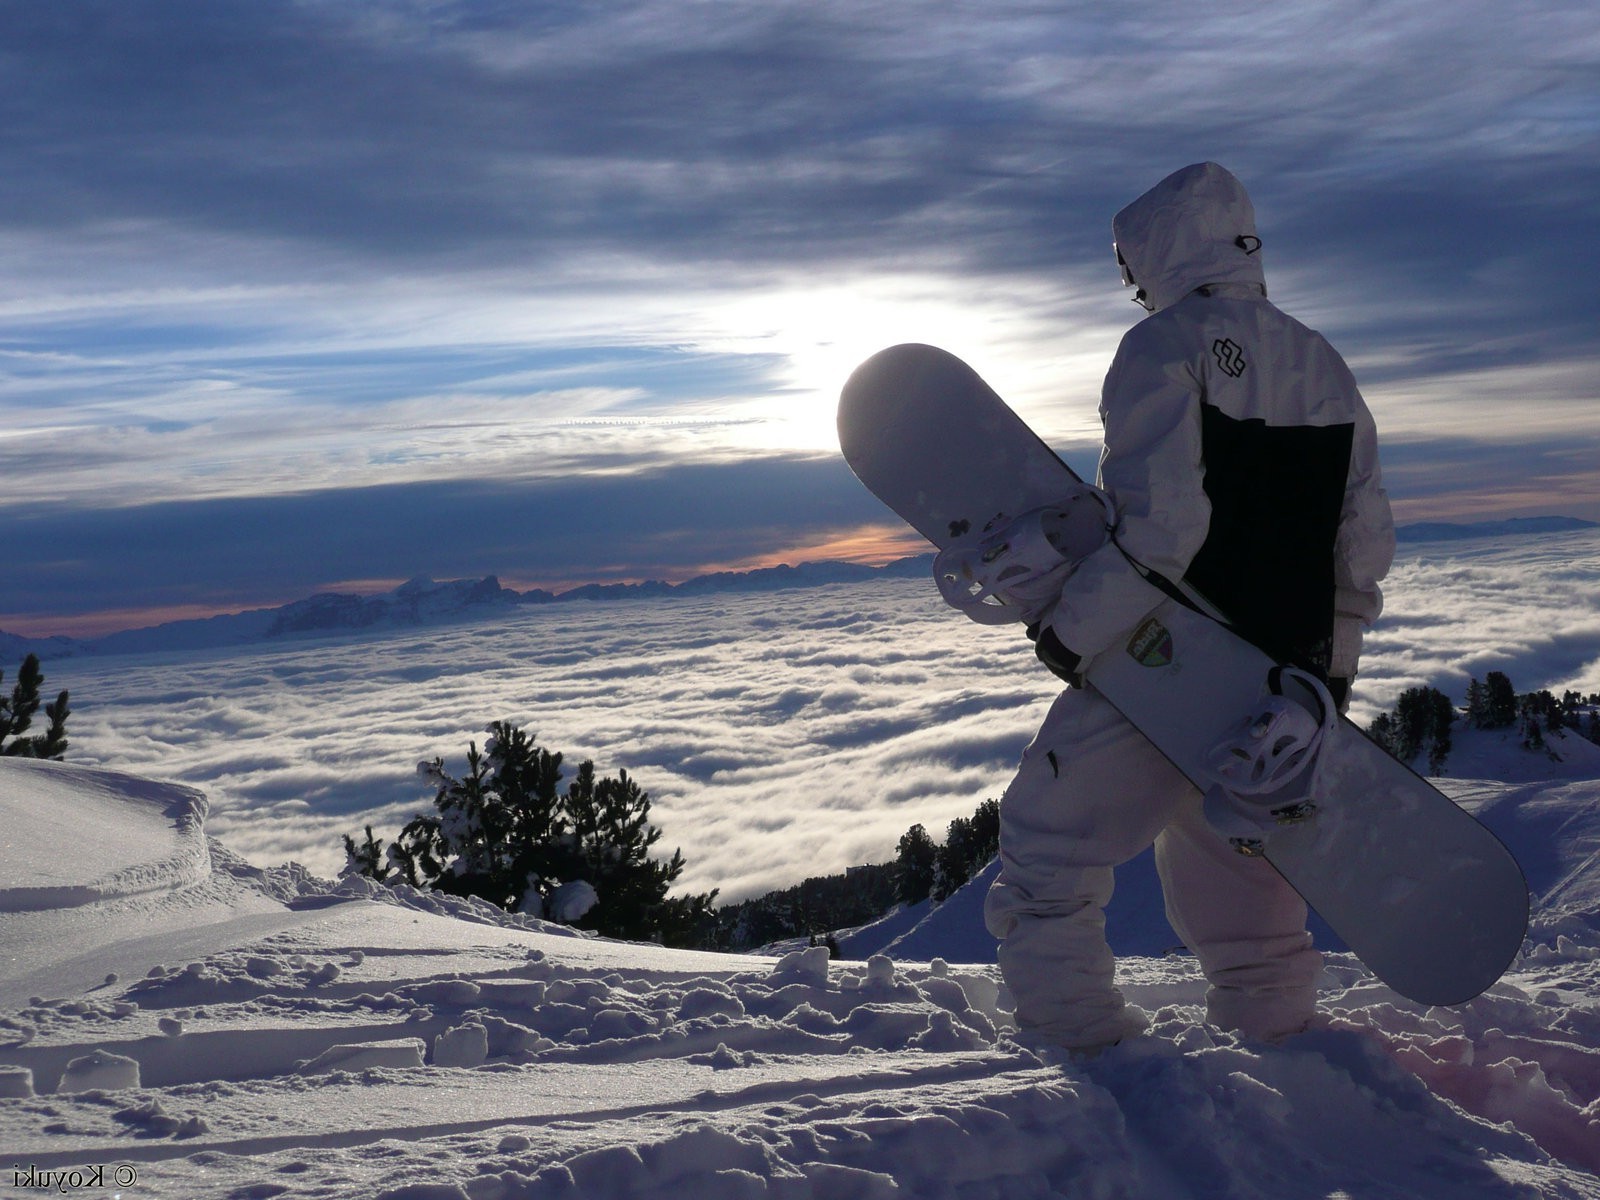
[{"x": 1239, "y": 451}]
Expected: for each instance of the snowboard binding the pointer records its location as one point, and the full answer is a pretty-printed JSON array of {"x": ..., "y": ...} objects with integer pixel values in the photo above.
[
  {"x": 1013, "y": 569},
  {"x": 1263, "y": 775}
]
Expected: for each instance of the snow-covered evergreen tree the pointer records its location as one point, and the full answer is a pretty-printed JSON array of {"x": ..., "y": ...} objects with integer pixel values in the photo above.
[
  {"x": 366, "y": 859},
  {"x": 612, "y": 838},
  {"x": 506, "y": 832}
]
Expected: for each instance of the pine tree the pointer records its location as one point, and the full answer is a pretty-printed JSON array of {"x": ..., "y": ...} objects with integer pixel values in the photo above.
[
  {"x": 496, "y": 832},
  {"x": 970, "y": 842},
  {"x": 916, "y": 860},
  {"x": 1549, "y": 709},
  {"x": 986, "y": 829},
  {"x": 950, "y": 860},
  {"x": 1384, "y": 731},
  {"x": 1532, "y": 734},
  {"x": 1539, "y": 713},
  {"x": 1441, "y": 716},
  {"x": 612, "y": 838},
  {"x": 1500, "y": 702},
  {"x": 366, "y": 859},
  {"x": 17, "y": 713},
  {"x": 505, "y": 831}
]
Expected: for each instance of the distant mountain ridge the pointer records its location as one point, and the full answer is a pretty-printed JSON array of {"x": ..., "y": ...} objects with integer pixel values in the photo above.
[
  {"x": 423, "y": 600},
  {"x": 1450, "y": 531}
]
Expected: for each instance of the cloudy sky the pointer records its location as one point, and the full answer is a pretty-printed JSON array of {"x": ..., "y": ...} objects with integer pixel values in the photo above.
[{"x": 299, "y": 295}]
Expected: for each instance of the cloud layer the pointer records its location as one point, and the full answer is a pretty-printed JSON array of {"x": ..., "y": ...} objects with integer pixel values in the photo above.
[{"x": 780, "y": 735}]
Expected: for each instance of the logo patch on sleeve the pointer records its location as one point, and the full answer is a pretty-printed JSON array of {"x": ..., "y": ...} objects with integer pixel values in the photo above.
[{"x": 1151, "y": 644}]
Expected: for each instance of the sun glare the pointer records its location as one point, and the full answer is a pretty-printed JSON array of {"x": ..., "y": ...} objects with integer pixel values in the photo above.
[{"x": 821, "y": 334}]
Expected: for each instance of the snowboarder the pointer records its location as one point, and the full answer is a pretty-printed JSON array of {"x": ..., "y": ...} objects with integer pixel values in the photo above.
[{"x": 1243, "y": 462}]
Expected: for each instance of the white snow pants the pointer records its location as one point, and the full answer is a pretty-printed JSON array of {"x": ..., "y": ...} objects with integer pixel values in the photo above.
[{"x": 1091, "y": 793}]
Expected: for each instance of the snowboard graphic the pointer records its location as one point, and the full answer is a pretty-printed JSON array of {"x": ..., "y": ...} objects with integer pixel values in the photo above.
[{"x": 1422, "y": 893}]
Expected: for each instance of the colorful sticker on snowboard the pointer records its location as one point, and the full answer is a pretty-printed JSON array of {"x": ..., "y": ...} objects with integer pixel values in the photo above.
[{"x": 1151, "y": 644}]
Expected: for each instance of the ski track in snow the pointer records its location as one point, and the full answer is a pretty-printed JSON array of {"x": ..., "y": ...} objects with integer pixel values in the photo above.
[{"x": 269, "y": 1033}]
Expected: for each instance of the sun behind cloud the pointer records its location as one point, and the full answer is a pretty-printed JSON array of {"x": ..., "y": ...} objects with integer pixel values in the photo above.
[{"x": 820, "y": 333}]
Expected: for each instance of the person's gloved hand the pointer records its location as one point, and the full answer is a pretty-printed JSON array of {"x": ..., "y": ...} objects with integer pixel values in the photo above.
[{"x": 1050, "y": 650}]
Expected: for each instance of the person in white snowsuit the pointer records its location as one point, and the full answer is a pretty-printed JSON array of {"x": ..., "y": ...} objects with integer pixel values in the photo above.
[{"x": 1243, "y": 462}]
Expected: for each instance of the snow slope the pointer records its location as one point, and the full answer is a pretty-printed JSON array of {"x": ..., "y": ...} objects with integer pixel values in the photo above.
[
  {"x": 61, "y": 806},
  {"x": 246, "y": 1033}
]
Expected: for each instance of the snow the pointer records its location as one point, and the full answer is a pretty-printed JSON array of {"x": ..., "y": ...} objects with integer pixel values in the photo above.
[
  {"x": 65, "y": 806},
  {"x": 99, "y": 1070},
  {"x": 571, "y": 900},
  {"x": 196, "y": 1026}
]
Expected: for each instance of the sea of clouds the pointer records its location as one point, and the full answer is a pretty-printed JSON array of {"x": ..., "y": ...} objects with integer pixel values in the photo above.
[{"x": 779, "y": 735}]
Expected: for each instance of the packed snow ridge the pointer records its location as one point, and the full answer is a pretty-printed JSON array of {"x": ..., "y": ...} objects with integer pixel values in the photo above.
[
  {"x": 160, "y": 848},
  {"x": 207, "y": 1028}
]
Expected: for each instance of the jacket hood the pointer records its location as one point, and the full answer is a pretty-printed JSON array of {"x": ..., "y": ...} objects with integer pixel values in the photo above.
[{"x": 1195, "y": 227}]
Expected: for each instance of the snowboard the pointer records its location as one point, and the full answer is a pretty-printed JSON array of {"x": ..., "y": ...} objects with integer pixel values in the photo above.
[{"x": 1427, "y": 897}]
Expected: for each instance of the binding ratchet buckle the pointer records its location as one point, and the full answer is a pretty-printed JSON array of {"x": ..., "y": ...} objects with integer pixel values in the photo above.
[
  {"x": 1263, "y": 775},
  {"x": 1014, "y": 568}
]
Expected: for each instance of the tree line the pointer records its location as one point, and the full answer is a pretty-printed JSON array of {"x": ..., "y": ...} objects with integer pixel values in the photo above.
[
  {"x": 1422, "y": 717},
  {"x": 822, "y": 905}
]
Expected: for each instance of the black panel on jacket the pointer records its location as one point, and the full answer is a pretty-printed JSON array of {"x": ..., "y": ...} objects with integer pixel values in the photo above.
[{"x": 1276, "y": 493}]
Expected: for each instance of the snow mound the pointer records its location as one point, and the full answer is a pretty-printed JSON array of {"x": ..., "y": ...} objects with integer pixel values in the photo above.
[
  {"x": 1136, "y": 922},
  {"x": 398, "y": 1053},
  {"x": 100, "y": 1071},
  {"x": 78, "y": 835},
  {"x": 1500, "y": 754},
  {"x": 953, "y": 929}
]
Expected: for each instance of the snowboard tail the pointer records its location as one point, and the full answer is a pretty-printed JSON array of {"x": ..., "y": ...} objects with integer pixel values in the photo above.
[
  {"x": 1427, "y": 897},
  {"x": 1422, "y": 893}
]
